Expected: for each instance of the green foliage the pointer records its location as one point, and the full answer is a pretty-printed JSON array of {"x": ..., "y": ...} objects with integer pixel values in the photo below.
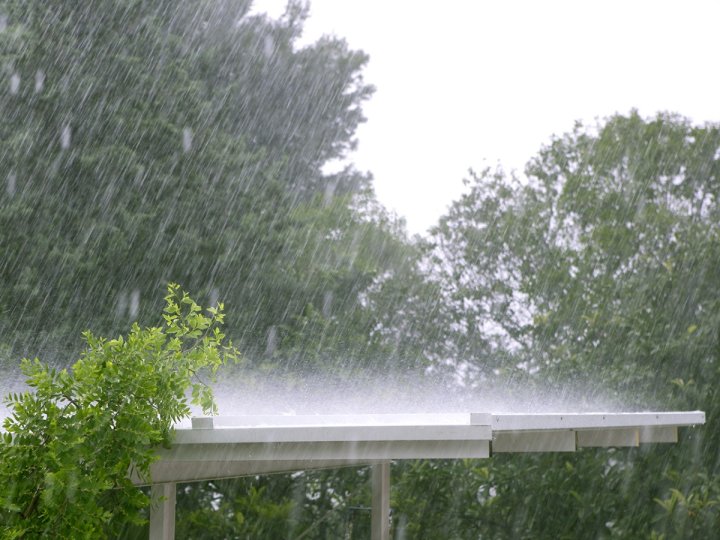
[
  {"x": 597, "y": 278},
  {"x": 186, "y": 141},
  {"x": 601, "y": 261},
  {"x": 149, "y": 141},
  {"x": 172, "y": 141},
  {"x": 223, "y": 512},
  {"x": 307, "y": 505},
  {"x": 690, "y": 515},
  {"x": 73, "y": 445}
]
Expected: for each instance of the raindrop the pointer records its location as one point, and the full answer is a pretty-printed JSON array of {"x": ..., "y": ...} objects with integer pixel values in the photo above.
[
  {"x": 14, "y": 83},
  {"x": 268, "y": 46},
  {"x": 187, "y": 139},
  {"x": 140, "y": 176},
  {"x": 214, "y": 295},
  {"x": 39, "y": 81},
  {"x": 484, "y": 493},
  {"x": 679, "y": 178},
  {"x": 65, "y": 137},
  {"x": 121, "y": 306},
  {"x": 134, "y": 304},
  {"x": 11, "y": 182},
  {"x": 271, "y": 340},
  {"x": 329, "y": 193},
  {"x": 401, "y": 530},
  {"x": 3, "y": 23},
  {"x": 327, "y": 304}
]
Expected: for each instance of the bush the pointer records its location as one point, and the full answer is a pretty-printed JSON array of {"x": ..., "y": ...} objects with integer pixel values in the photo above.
[{"x": 69, "y": 448}]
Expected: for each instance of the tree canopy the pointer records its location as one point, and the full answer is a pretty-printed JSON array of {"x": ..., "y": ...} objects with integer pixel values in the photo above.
[
  {"x": 178, "y": 142},
  {"x": 595, "y": 278}
]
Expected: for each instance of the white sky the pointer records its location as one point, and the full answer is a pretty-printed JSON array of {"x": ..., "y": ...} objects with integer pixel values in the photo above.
[{"x": 466, "y": 83}]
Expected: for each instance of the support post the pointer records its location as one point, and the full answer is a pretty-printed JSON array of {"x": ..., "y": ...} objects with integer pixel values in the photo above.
[
  {"x": 380, "y": 515},
  {"x": 162, "y": 511}
]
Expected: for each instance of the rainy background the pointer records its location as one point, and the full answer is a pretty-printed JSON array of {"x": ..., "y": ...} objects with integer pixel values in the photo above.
[{"x": 213, "y": 145}]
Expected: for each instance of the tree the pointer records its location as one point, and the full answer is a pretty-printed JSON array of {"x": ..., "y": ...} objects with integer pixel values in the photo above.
[
  {"x": 148, "y": 142},
  {"x": 597, "y": 278},
  {"x": 71, "y": 446},
  {"x": 198, "y": 163}
]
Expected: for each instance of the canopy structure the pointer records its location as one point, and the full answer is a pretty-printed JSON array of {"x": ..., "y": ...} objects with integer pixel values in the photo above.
[{"x": 228, "y": 447}]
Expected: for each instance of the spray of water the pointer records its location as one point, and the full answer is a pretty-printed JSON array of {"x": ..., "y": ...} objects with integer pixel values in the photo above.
[
  {"x": 244, "y": 393},
  {"x": 241, "y": 392}
]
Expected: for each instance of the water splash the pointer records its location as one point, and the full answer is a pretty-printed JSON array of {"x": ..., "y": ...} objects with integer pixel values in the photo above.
[{"x": 246, "y": 393}]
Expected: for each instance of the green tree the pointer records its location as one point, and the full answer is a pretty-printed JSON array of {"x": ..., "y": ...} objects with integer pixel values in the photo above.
[
  {"x": 183, "y": 142},
  {"x": 71, "y": 446},
  {"x": 597, "y": 278},
  {"x": 148, "y": 142}
]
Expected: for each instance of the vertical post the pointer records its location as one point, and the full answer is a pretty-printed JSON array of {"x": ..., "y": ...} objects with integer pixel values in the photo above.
[
  {"x": 162, "y": 511},
  {"x": 380, "y": 515}
]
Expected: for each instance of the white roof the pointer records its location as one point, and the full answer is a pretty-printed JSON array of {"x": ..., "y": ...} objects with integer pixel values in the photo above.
[{"x": 223, "y": 447}]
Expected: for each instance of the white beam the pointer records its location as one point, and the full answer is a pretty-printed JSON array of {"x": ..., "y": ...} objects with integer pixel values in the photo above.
[
  {"x": 533, "y": 441},
  {"x": 664, "y": 434},
  {"x": 604, "y": 438},
  {"x": 199, "y": 470},
  {"x": 162, "y": 511},
  {"x": 380, "y": 515},
  {"x": 277, "y": 420},
  {"x": 194, "y": 462},
  {"x": 333, "y": 433},
  {"x": 323, "y": 451},
  {"x": 223, "y": 447},
  {"x": 543, "y": 421}
]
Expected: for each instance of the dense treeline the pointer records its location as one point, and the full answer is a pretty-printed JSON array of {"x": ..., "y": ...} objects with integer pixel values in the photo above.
[
  {"x": 598, "y": 271},
  {"x": 151, "y": 142},
  {"x": 144, "y": 144}
]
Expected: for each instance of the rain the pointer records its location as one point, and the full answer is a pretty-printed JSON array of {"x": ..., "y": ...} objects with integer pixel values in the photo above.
[{"x": 191, "y": 226}]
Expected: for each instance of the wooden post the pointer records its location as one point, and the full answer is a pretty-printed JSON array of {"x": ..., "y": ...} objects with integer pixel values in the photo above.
[
  {"x": 380, "y": 515},
  {"x": 162, "y": 511}
]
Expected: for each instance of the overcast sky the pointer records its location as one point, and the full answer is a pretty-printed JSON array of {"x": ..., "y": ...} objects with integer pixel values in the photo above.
[{"x": 466, "y": 83}]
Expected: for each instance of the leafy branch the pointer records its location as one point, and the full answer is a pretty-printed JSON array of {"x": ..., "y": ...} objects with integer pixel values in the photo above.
[{"x": 69, "y": 445}]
